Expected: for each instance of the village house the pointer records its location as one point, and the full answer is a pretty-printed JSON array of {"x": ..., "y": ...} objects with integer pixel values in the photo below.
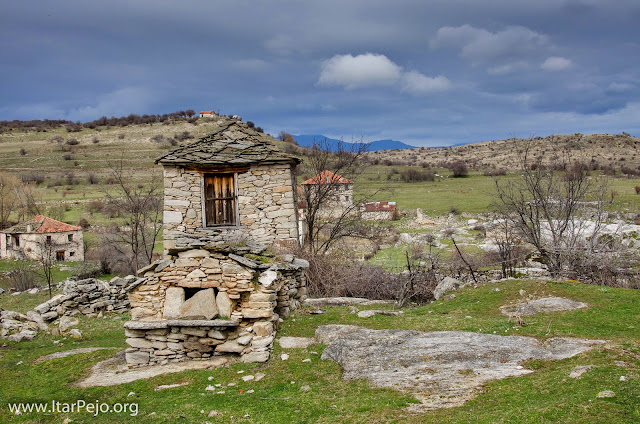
[
  {"x": 29, "y": 239},
  {"x": 208, "y": 114},
  {"x": 227, "y": 277},
  {"x": 336, "y": 191},
  {"x": 378, "y": 211}
]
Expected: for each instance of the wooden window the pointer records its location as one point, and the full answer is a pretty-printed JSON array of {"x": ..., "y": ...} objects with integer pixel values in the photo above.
[
  {"x": 48, "y": 239},
  {"x": 70, "y": 237},
  {"x": 219, "y": 199},
  {"x": 60, "y": 255}
]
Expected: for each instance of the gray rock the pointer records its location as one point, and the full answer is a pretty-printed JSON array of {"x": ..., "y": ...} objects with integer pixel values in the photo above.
[
  {"x": 137, "y": 358},
  {"x": 451, "y": 367},
  {"x": 344, "y": 301},
  {"x": 255, "y": 357},
  {"x": 66, "y": 323},
  {"x": 75, "y": 333},
  {"x": 296, "y": 342},
  {"x": 37, "y": 318},
  {"x": 230, "y": 346},
  {"x": 244, "y": 261},
  {"x": 50, "y": 316},
  {"x": 547, "y": 304},
  {"x": 446, "y": 285},
  {"x": 244, "y": 340},
  {"x": 200, "y": 305},
  {"x": 224, "y": 304},
  {"x": 372, "y": 312},
  {"x": 173, "y": 300},
  {"x": 579, "y": 370}
]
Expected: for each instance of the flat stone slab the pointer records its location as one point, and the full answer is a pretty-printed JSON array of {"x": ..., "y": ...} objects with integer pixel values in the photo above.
[
  {"x": 344, "y": 301},
  {"x": 296, "y": 342},
  {"x": 547, "y": 304},
  {"x": 442, "y": 369},
  {"x": 153, "y": 325},
  {"x": 66, "y": 353},
  {"x": 114, "y": 371}
]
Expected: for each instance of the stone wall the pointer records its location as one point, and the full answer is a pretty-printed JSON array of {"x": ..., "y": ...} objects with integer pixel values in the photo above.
[
  {"x": 266, "y": 208},
  {"x": 87, "y": 297},
  {"x": 204, "y": 302}
]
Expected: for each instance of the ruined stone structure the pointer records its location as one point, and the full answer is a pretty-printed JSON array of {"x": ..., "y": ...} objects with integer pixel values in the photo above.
[
  {"x": 42, "y": 235},
  {"x": 229, "y": 217},
  {"x": 378, "y": 211}
]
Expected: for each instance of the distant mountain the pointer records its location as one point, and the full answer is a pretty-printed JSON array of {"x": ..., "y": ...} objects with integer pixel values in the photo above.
[{"x": 307, "y": 140}]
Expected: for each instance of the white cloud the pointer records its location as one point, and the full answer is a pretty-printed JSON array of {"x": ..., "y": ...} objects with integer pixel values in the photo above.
[
  {"x": 481, "y": 45},
  {"x": 364, "y": 70},
  {"x": 556, "y": 63},
  {"x": 416, "y": 83},
  {"x": 507, "y": 68},
  {"x": 371, "y": 69}
]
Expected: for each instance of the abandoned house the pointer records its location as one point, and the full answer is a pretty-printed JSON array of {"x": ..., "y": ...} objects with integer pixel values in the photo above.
[
  {"x": 378, "y": 211},
  {"x": 207, "y": 114},
  {"x": 229, "y": 223},
  {"x": 335, "y": 189},
  {"x": 42, "y": 235}
]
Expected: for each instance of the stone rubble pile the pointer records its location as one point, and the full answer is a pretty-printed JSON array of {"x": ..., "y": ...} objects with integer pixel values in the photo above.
[{"x": 87, "y": 297}]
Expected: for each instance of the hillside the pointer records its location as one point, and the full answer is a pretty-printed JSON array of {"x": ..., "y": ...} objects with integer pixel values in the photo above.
[{"x": 619, "y": 152}]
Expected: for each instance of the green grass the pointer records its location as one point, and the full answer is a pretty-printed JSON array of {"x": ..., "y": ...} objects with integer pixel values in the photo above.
[{"x": 547, "y": 395}]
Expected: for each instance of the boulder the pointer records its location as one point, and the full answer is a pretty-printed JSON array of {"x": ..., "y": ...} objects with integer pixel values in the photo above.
[{"x": 446, "y": 285}]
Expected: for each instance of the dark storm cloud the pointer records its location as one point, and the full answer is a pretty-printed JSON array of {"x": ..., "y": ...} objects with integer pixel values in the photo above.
[{"x": 437, "y": 72}]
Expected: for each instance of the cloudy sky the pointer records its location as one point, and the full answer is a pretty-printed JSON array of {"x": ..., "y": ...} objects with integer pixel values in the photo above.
[{"x": 426, "y": 72}]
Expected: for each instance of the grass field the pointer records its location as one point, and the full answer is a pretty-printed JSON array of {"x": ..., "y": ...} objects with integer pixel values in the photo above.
[{"x": 546, "y": 396}]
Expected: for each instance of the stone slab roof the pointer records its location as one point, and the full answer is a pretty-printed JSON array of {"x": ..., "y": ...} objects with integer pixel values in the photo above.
[
  {"x": 40, "y": 225},
  {"x": 232, "y": 143}
]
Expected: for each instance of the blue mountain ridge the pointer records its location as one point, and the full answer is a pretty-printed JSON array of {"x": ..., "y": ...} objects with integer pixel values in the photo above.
[{"x": 307, "y": 140}]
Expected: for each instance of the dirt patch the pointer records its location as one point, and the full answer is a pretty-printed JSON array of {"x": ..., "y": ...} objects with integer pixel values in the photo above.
[
  {"x": 114, "y": 370},
  {"x": 443, "y": 369}
]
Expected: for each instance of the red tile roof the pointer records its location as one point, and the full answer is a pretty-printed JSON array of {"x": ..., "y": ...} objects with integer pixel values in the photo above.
[
  {"x": 380, "y": 206},
  {"x": 326, "y": 177},
  {"x": 49, "y": 225}
]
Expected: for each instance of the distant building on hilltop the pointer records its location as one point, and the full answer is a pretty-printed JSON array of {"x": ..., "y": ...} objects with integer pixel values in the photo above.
[
  {"x": 27, "y": 239},
  {"x": 208, "y": 114}
]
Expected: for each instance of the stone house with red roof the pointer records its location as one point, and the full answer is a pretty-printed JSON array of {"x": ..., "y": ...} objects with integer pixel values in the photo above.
[
  {"x": 335, "y": 191},
  {"x": 25, "y": 240}
]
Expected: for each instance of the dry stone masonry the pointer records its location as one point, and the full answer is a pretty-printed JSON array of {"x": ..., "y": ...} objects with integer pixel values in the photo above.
[
  {"x": 226, "y": 278},
  {"x": 87, "y": 297}
]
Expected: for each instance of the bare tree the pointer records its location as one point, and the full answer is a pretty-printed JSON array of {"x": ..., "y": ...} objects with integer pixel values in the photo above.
[
  {"x": 327, "y": 220},
  {"x": 559, "y": 212},
  {"x": 8, "y": 198},
  {"x": 47, "y": 259},
  {"x": 141, "y": 207}
]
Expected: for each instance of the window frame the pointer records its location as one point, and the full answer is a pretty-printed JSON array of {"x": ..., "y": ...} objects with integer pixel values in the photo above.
[{"x": 234, "y": 198}]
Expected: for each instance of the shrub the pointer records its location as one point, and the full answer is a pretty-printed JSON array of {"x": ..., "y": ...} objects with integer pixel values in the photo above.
[
  {"x": 458, "y": 168},
  {"x": 84, "y": 224},
  {"x": 32, "y": 177},
  {"x": 637, "y": 189},
  {"x": 92, "y": 179},
  {"x": 120, "y": 136},
  {"x": 95, "y": 206},
  {"x": 22, "y": 278},
  {"x": 95, "y": 139},
  {"x": 413, "y": 175},
  {"x": 23, "y": 151},
  {"x": 72, "y": 141}
]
